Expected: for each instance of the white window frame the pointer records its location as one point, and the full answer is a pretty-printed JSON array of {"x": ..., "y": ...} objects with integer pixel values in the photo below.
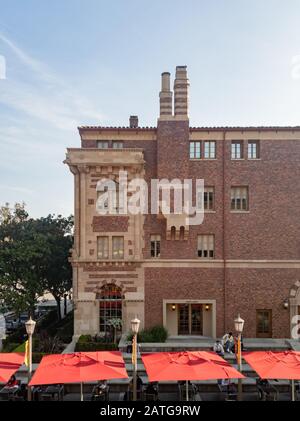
[
  {"x": 195, "y": 150},
  {"x": 210, "y": 149},
  {"x": 237, "y": 149}
]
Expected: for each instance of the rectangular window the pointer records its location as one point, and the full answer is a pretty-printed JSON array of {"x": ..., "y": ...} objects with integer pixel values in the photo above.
[
  {"x": 102, "y": 144},
  {"x": 206, "y": 246},
  {"x": 237, "y": 149},
  {"x": 253, "y": 149},
  {"x": 264, "y": 323},
  {"x": 118, "y": 247},
  {"x": 209, "y": 199},
  {"x": 195, "y": 150},
  {"x": 118, "y": 145},
  {"x": 210, "y": 149},
  {"x": 155, "y": 245},
  {"x": 102, "y": 247},
  {"x": 239, "y": 199}
]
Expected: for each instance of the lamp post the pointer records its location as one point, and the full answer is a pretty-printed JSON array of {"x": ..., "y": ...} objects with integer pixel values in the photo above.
[
  {"x": 30, "y": 325},
  {"x": 239, "y": 326},
  {"x": 135, "y": 324}
]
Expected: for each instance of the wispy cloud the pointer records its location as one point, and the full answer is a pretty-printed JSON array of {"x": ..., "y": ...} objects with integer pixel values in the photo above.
[
  {"x": 17, "y": 189},
  {"x": 45, "y": 96}
]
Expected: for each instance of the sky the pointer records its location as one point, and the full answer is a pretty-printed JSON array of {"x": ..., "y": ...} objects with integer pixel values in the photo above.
[{"x": 65, "y": 63}]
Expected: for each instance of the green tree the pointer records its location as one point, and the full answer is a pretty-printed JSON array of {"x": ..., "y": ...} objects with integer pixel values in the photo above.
[
  {"x": 57, "y": 269},
  {"x": 33, "y": 258}
]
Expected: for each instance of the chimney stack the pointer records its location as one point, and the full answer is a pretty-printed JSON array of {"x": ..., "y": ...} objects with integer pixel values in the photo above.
[
  {"x": 133, "y": 122},
  {"x": 165, "y": 97},
  {"x": 181, "y": 88}
]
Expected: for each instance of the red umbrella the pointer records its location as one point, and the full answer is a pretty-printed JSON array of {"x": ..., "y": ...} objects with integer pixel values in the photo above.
[
  {"x": 9, "y": 364},
  {"x": 194, "y": 365},
  {"x": 79, "y": 367},
  {"x": 275, "y": 365}
]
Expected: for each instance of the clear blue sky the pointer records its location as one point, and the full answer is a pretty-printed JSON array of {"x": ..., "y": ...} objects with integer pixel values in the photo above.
[{"x": 73, "y": 62}]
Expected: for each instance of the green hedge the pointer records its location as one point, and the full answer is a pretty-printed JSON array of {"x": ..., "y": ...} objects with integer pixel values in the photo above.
[
  {"x": 95, "y": 346},
  {"x": 156, "y": 334}
]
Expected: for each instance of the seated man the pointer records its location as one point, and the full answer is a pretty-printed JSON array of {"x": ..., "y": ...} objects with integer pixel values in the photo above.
[
  {"x": 228, "y": 342},
  {"x": 218, "y": 348}
]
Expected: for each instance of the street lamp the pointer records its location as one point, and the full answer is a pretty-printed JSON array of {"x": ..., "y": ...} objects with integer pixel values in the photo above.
[
  {"x": 135, "y": 325},
  {"x": 239, "y": 326},
  {"x": 30, "y": 325}
]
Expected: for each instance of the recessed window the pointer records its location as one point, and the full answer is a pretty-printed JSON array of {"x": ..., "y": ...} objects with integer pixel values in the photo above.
[
  {"x": 155, "y": 245},
  {"x": 237, "y": 149},
  {"x": 253, "y": 149},
  {"x": 195, "y": 150},
  {"x": 210, "y": 149},
  {"x": 118, "y": 247},
  {"x": 102, "y": 144},
  {"x": 206, "y": 246},
  {"x": 239, "y": 199},
  {"x": 102, "y": 247},
  {"x": 209, "y": 198},
  {"x": 117, "y": 145},
  {"x": 264, "y": 323}
]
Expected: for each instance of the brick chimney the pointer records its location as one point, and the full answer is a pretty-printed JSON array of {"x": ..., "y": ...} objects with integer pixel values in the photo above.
[
  {"x": 133, "y": 121},
  {"x": 181, "y": 93},
  {"x": 165, "y": 97}
]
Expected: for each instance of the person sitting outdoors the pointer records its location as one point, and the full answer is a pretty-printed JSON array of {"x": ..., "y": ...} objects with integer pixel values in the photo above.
[
  {"x": 228, "y": 342},
  {"x": 218, "y": 348},
  {"x": 101, "y": 387}
]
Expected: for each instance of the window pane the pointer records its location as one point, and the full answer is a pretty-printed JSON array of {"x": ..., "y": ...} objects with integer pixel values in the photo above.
[{"x": 101, "y": 144}]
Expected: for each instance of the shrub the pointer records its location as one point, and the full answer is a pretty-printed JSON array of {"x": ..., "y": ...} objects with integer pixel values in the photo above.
[
  {"x": 159, "y": 333},
  {"x": 156, "y": 334},
  {"x": 85, "y": 339},
  {"x": 9, "y": 347}
]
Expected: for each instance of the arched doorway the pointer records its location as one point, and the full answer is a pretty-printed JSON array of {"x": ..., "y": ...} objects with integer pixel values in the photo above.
[{"x": 110, "y": 307}]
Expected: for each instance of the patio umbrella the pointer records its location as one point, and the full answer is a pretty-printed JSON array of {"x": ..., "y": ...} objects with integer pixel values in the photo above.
[
  {"x": 275, "y": 365},
  {"x": 193, "y": 365},
  {"x": 9, "y": 364},
  {"x": 79, "y": 367}
]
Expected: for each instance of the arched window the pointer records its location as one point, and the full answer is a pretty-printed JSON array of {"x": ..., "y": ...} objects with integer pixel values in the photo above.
[
  {"x": 181, "y": 233},
  {"x": 110, "y": 302},
  {"x": 173, "y": 233}
]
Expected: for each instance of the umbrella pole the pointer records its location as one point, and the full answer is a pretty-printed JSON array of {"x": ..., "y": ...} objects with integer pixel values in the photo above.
[
  {"x": 187, "y": 390},
  {"x": 293, "y": 390},
  {"x": 81, "y": 391}
]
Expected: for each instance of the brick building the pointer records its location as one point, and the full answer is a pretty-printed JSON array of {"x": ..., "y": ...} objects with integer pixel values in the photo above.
[{"x": 244, "y": 258}]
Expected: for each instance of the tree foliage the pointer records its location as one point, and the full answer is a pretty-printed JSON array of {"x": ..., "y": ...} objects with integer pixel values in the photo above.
[{"x": 33, "y": 257}]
